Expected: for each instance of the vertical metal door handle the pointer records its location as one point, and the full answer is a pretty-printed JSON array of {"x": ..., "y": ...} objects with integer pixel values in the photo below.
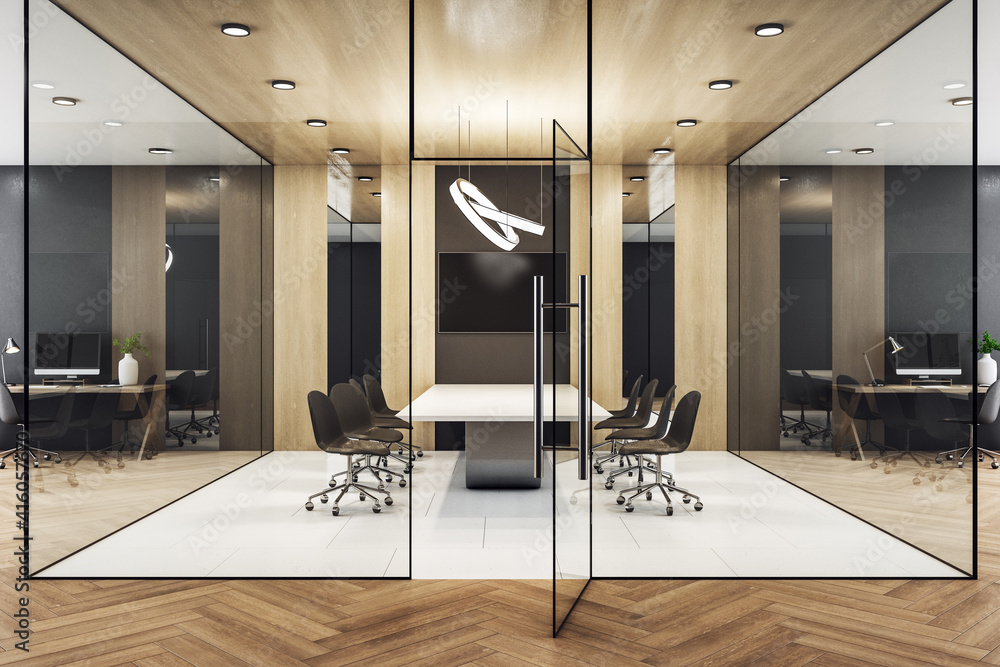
[
  {"x": 583, "y": 378},
  {"x": 537, "y": 398}
]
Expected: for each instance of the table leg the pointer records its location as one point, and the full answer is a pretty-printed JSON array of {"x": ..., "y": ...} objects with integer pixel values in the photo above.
[
  {"x": 153, "y": 417},
  {"x": 847, "y": 426}
]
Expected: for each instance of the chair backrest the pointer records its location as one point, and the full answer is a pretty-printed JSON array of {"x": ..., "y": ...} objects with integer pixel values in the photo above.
[
  {"x": 9, "y": 413},
  {"x": 862, "y": 409},
  {"x": 375, "y": 395},
  {"x": 682, "y": 426},
  {"x": 991, "y": 404},
  {"x": 891, "y": 410},
  {"x": 633, "y": 398},
  {"x": 179, "y": 389},
  {"x": 103, "y": 410},
  {"x": 357, "y": 385},
  {"x": 202, "y": 387},
  {"x": 663, "y": 418},
  {"x": 792, "y": 388},
  {"x": 817, "y": 392},
  {"x": 352, "y": 408},
  {"x": 326, "y": 425},
  {"x": 932, "y": 407},
  {"x": 56, "y": 427},
  {"x": 645, "y": 408}
]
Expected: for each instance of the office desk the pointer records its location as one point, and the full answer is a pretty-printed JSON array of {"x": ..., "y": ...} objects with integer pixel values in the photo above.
[
  {"x": 498, "y": 426},
  {"x": 859, "y": 391},
  {"x": 151, "y": 421}
]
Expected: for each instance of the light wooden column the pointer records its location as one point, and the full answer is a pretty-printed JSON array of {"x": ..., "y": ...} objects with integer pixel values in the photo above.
[
  {"x": 138, "y": 235},
  {"x": 760, "y": 308},
  {"x": 300, "y": 300},
  {"x": 700, "y": 297},
  {"x": 858, "y": 272},
  {"x": 401, "y": 354},
  {"x": 243, "y": 311},
  {"x": 606, "y": 286}
]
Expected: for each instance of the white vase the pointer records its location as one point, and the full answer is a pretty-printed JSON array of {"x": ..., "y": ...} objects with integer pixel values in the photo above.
[
  {"x": 128, "y": 370},
  {"x": 986, "y": 369}
]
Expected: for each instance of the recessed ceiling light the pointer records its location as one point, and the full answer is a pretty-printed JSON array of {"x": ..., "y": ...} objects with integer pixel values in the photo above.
[
  {"x": 721, "y": 84},
  {"x": 376, "y": 194},
  {"x": 160, "y": 151},
  {"x": 958, "y": 101},
  {"x": 687, "y": 122},
  {"x": 954, "y": 85},
  {"x": 833, "y": 151},
  {"x": 283, "y": 84},
  {"x": 235, "y": 29},
  {"x": 784, "y": 179},
  {"x": 316, "y": 122},
  {"x": 626, "y": 194},
  {"x": 113, "y": 123},
  {"x": 864, "y": 151},
  {"x": 65, "y": 101},
  {"x": 341, "y": 151},
  {"x": 662, "y": 151},
  {"x": 365, "y": 179},
  {"x": 43, "y": 85},
  {"x": 884, "y": 123},
  {"x": 637, "y": 179},
  {"x": 769, "y": 29}
]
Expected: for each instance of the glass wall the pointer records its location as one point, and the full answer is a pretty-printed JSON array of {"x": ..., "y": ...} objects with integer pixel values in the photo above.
[
  {"x": 148, "y": 323},
  {"x": 854, "y": 228}
]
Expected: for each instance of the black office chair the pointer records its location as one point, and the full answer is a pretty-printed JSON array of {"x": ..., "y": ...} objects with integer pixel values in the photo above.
[
  {"x": 987, "y": 415},
  {"x": 893, "y": 416},
  {"x": 862, "y": 410},
  {"x": 638, "y": 420},
  {"x": 143, "y": 402},
  {"x": 386, "y": 417},
  {"x": 330, "y": 437},
  {"x": 356, "y": 420},
  {"x": 179, "y": 398},
  {"x": 202, "y": 388},
  {"x": 820, "y": 395},
  {"x": 40, "y": 429},
  {"x": 101, "y": 415},
  {"x": 654, "y": 432},
  {"x": 211, "y": 423},
  {"x": 627, "y": 411},
  {"x": 793, "y": 390},
  {"x": 676, "y": 440},
  {"x": 939, "y": 420}
]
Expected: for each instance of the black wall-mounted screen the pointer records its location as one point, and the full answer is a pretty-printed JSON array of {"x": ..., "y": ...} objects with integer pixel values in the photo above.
[{"x": 491, "y": 292}]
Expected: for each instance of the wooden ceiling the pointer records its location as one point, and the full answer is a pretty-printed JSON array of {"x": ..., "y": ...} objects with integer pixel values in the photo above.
[{"x": 507, "y": 64}]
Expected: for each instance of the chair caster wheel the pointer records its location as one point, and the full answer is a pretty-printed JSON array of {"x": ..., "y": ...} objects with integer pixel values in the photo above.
[
  {"x": 381, "y": 487},
  {"x": 335, "y": 511},
  {"x": 600, "y": 470},
  {"x": 356, "y": 465},
  {"x": 916, "y": 481},
  {"x": 686, "y": 499},
  {"x": 698, "y": 506},
  {"x": 388, "y": 479},
  {"x": 407, "y": 469},
  {"x": 180, "y": 443},
  {"x": 420, "y": 454},
  {"x": 376, "y": 509},
  {"x": 362, "y": 496},
  {"x": 950, "y": 457},
  {"x": 629, "y": 508},
  {"x": 649, "y": 495},
  {"x": 208, "y": 435},
  {"x": 621, "y": 463},
  {"x": 324, "y": 499},
  {"x": 412, "y": 457},
  {"x": 3, "y": 464},
  {"x": 388, "y": 500},
  {"x": 670, "y": 510},
  {"x": 216, "y": 431},
  {"x": 854, "y": 457},
  {"x": 980, "y": 458},
  {"x": 995, "y": 465},
  {"x": 35, "y": 465},
  {"x": 354, "y": 478},
  {"x": 46, "y": 457},
  {"x": 58, "y": 460},
  {"x": 73, "y": 481},
  {"x": 937, "y": 460},
  {"x": 402, "y": 482},
  {"x": 309, "y": 507},
  {"x": 629, "y": 473},
  {"x": 961, "y": 464},
  {"x": 121, "y": 464},
  {"x": 194, "y": 440},
  {"x": 620, "y": 500},
  {"x": 873, "y": 465},
  {"x": 332, "y": 484},
  {"x": 609, "y": 485}
]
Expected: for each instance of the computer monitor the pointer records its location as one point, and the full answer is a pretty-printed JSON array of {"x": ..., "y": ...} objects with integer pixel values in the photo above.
[
  {"x": 926, "y": 355},
  {"x": 65, "y": 355}
]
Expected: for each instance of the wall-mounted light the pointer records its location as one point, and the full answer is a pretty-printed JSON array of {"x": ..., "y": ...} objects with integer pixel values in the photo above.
[
  {"x": 637, "y": 179},
  {"x": 283, "y": 84},
  {"x": 769, "y": 29},
  {"x": 65, "y": 101},
  {"x": 662, "y": 151},
  {"x": 235, "y": 29},
  {"x": 687, "y": 122},
  {"x": 864, "y": 151},
  {"x": 316, "y": 122},
  {"x": 961, "y": 101},
  {"x": 721, "y": 84},
  {"x": 160, "y": 151},
  {"x": 341, "y": 151}
]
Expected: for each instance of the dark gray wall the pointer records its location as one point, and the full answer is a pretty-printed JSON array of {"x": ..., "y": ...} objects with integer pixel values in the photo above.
[
  {"x": 988, "y": 272},
  {"x": 12, "y": 268},
  {"x": 192, "y": 297},
  {"x": 807, "y": 325},
  {"x": 70, "y": 285},
  {"x": 354, "y": 315},
  {"x": 500, "y": 358},
  {"x": 648, "y": 313}
]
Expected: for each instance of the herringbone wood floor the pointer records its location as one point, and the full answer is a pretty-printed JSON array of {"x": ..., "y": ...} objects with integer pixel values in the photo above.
[{"x": 439, "y": 623}]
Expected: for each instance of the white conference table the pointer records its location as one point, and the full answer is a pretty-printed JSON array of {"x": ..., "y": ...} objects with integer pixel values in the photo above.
[{"x": 498, "y": 426}]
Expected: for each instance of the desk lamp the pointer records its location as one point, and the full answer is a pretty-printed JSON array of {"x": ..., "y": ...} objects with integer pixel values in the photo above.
[
  {"x": 896, "y": 347},
  {"x": 10, "y": 348}
]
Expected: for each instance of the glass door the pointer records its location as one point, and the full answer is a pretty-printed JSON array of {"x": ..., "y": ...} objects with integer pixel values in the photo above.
[{"x": 562, "y": 355}]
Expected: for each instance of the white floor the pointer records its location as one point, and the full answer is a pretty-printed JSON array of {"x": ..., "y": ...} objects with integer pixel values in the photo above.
[{"x": 252, "y": 523}]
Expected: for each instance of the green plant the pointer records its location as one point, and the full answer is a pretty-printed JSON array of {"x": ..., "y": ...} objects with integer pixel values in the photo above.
[
  {"x": 133, "y": 344},
  {"x": 987, "y": 344}
]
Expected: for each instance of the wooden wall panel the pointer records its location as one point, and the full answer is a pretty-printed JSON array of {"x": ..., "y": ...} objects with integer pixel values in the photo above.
[
  {"x": 858, "y": 271},
  {"x": 759, "y": 308},
  {"x": 138, "y": 233},
  {"x": 701, "y": 297},
  {"x": 267, "y": 288},
  {"x": 733, "y": 308},
  {"x": 241, "y": 311},
  {"x": 300, "y": 300},
  {"x": 606, "y": 286}
]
